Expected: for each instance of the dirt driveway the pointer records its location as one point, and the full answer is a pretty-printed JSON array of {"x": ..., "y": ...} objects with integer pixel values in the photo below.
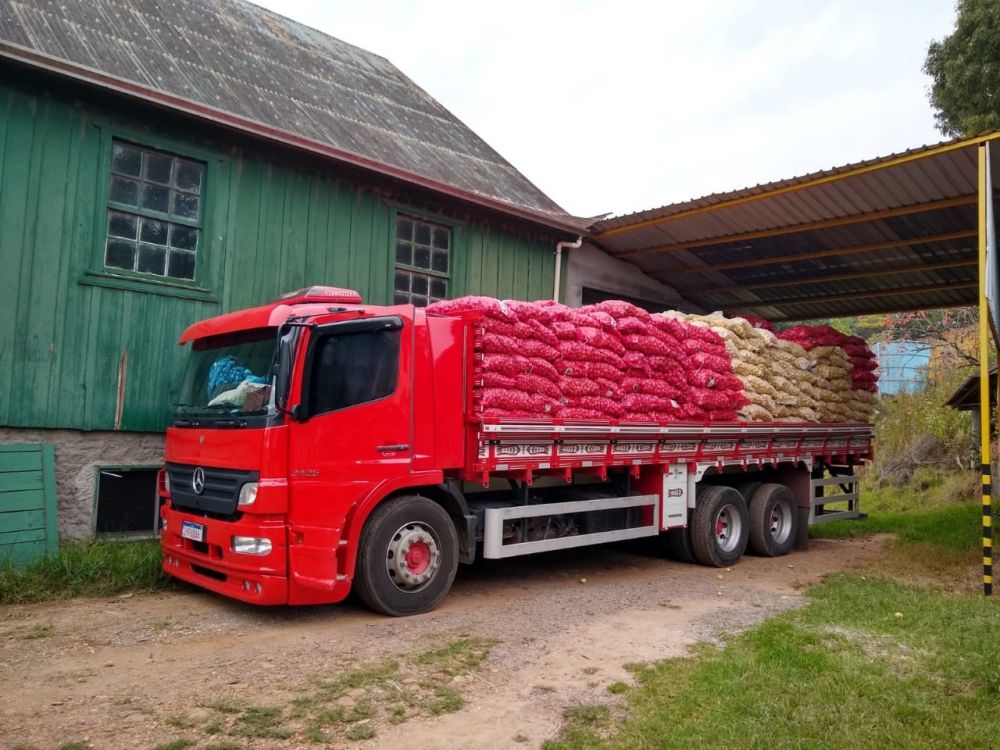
[{"x": 547, "y": 632}]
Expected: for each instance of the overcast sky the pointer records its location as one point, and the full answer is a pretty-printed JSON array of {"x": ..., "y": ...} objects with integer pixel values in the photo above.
[{"x": 621, "y": 106}]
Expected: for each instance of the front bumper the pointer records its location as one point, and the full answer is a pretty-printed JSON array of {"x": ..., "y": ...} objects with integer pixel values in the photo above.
[{"x": 213, "y": 565}]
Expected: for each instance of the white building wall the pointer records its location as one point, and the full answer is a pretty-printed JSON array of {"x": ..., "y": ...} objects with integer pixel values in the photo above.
[{"x": 589, "y": 266}]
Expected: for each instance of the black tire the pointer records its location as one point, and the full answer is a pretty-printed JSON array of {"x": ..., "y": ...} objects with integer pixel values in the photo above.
[
  {"x": 719, "y": 526},
  {"x": 406, "y": 527},
  {"x": 774, "y": 520},
  {"x": 747, "y": 489},
  {"x": 677, "y": 544}
]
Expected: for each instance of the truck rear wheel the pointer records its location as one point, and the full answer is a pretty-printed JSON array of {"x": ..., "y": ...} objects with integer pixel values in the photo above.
[
  {"x": 677, "y": 543},
  {"x": 719, "y": 526},
  {"x": 774, "y": 520},
  {"x": 407, "y": 556}
]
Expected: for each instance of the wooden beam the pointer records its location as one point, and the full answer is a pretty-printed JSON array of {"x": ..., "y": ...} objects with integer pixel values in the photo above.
[
  {"x": 870, "y": 293},
  {"x": 841, "y": 221},
  {"x": 815, "y": 254},
  {"x": 889, "y": 271},
  {"x": 806, "y": 184}
]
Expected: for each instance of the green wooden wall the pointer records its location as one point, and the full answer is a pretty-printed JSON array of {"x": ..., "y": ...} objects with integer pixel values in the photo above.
[
  {"x": 273, "y": 222},
  {"x": 27, "y": 503}
]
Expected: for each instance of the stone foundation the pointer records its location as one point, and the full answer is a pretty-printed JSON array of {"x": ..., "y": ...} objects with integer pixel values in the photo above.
[{"x": 78, "y": 454}]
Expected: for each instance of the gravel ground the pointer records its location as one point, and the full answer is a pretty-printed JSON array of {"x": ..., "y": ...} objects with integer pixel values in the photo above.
[{"x": 111, "y": 673}]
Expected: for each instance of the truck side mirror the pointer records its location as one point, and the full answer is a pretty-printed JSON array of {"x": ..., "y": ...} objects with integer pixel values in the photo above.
[{"x": 283, "y": 367}]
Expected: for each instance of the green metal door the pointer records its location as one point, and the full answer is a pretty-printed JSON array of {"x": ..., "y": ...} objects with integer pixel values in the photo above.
[{"x": 27, "y": 503}]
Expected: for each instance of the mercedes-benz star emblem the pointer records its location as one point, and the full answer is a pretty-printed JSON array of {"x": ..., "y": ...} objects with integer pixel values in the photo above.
[{"x": 198, "y": 481}]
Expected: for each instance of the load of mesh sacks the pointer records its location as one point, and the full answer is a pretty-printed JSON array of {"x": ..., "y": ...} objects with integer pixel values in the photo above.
[
  {"x": 802, "y": 374},
  {"x": 614, "y": 360}
]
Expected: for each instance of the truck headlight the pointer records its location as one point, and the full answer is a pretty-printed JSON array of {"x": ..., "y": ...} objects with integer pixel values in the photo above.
[
  {"x": 252, "y": 545},
  {"x": 248, "y": 493}
]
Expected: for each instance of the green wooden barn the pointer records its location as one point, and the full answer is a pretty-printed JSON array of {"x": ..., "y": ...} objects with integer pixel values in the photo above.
[{"x": 165, "y": 162}]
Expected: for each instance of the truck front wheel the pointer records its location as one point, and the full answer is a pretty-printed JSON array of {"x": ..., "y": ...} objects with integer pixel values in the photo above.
[
  {"x": 407, "y": 556},
  {"x": 719, "y": 526}
]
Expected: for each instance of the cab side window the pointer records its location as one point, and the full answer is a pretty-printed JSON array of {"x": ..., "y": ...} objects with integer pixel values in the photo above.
[{"x": 353, "y": 368}]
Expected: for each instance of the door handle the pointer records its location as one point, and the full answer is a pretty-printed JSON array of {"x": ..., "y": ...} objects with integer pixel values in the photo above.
[{"x": 392, "y": 448}]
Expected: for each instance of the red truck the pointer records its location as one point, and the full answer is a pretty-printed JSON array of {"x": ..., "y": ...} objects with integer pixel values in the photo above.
[{"x": 348, "y": 452}]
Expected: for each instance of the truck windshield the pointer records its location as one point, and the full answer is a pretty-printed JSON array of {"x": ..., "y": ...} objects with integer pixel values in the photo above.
[{"x": 229, "y": 375}]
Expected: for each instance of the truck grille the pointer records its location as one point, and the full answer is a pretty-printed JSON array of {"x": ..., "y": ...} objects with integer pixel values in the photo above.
[{"x": 221, "y": 492}]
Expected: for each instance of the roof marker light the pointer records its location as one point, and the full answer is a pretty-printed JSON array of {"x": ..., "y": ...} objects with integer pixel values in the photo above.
[{"x": 321, "y": 294}]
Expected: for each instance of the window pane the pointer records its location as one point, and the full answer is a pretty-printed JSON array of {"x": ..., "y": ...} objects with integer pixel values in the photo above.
[
  {"x": 402, "y": 281},
  {"x": 125, "y": 159},
  {"x": 187, "y": 176},
  {"x": 152, "y": 259},
  {"x": 400, "y": 298},
  {"x": 353, "y": 369},
  {"x": 122, "y": 225},
  {"x": 416, "y": 299},
  {"x": 422, "y": 233},
  {"x": 439, "y": 288},
  {"x": 418, "y": 284},
  {"x": 155, "y": 198},
  {"x": 181, "y": 265},
  {"x": 404, "y": 228},
  {"x": 185, "y": 205},
  {"x": 439, "y": 261},
  {"x": 404, "y": 253},
  {"x": 124, "y": 191},
  {"x": 120, "y": 254},
  {"x": 182, "y": 237},
  {"x": 156, "y": 167},
  {"x": 153, "y": 231},
  {"x": 441, "y": 237},
  {"x": 421, "y": 257}
]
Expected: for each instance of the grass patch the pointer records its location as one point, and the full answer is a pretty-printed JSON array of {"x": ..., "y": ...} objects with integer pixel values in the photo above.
[
  {"x": 928, "y": 676},
  {"x": 458, "y": 657},
  {"x": 360, "y": 732},
  {"x": 949, "y": 528},
  {"x": 85, "y": 569},
  {"x": 179, "y": 744},
  {"x": 262, "y": 722}
]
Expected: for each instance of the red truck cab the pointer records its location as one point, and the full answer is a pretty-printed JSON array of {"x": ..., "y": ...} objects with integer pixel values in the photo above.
[{"x": 296, "y": 419}]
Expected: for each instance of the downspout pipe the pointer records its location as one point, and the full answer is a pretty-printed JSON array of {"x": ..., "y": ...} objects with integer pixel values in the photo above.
[{"x": 559, "y": 248}]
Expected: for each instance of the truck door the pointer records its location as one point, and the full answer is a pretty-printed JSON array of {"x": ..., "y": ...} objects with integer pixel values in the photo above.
[{"x": 353, "y": 424}]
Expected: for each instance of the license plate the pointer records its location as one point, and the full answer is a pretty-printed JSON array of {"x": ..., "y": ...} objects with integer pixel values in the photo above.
[{"x": 193, "y": 531}]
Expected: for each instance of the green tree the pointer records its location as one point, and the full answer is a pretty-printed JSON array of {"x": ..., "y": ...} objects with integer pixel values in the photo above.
[{"x": 965, "y": 66}]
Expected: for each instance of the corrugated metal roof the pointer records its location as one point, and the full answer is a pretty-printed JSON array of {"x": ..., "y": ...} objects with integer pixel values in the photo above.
[
  {"x": 241, "y": 64},
  {"x": 894, "y": 233}
]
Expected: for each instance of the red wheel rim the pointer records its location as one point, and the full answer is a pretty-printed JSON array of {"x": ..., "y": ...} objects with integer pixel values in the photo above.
[{"x": 418, "y": 557}]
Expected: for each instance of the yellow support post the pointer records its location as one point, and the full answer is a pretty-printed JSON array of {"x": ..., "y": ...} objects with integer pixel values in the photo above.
[{"x": 984, "y": 383}]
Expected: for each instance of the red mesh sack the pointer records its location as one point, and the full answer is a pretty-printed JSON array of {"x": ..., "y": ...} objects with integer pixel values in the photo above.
[
  {"x": 643, "y": 403},
  {"x": 496, "y": 380},
  {"x": 861, "y": 363},
  {"x": 572, "y": 387},
  {"x": 601, "y": 339},
  {"x": 632, "y": 324},
  {"x": 564, "y": 331},
  {"x": 711, "y": 362},
  {"x": 571, "y": 412},
  {"x": 542, "y": 332},
  {"x": 532, "y": 383},
  {"x": 652, "y": 387},
  {"x": 494, "y": 308},
  {"x": 609, "y": 388},
  {"x": 700, "y": 346},
  {"x": 536, "y": 348},
  {"x": 543, "y": 367},
  {"x": 650, "y": 345},
  {"x": 494, "y": 343},
  {"x": 505, "y": 364},
  {"x": 527, "y": 311},
  {"x": 596, "y": 403},
  {"x": 722, "y": 415},
  {"x": 617, "y": 308},
  {"x": 708, "y": 398},
  {"x": 512, "y": 400},
  {"x": 758, "y": 322}
]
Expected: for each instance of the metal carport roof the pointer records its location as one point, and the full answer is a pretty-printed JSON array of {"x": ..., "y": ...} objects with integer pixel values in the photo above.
[{"x": 890, "y": 234}]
